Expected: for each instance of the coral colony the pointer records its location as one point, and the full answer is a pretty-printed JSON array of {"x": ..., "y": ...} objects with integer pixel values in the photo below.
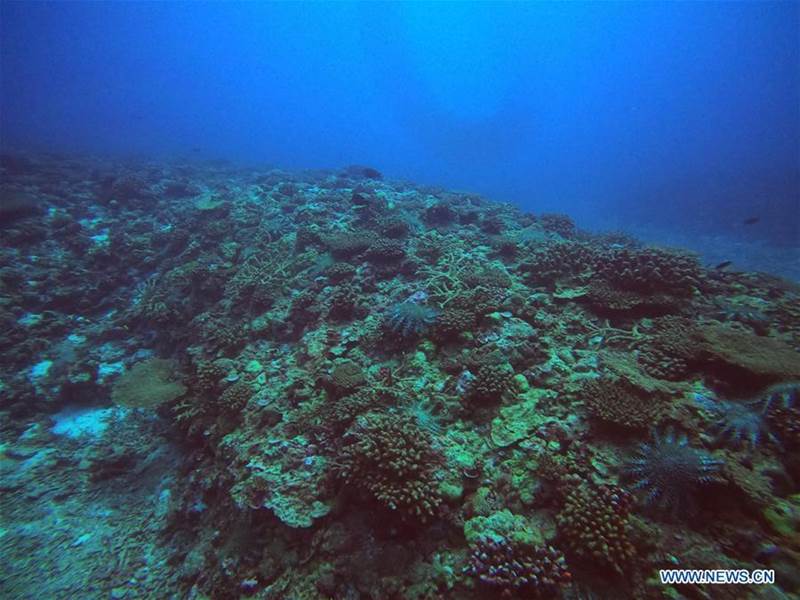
[{"x": 263, "y": 384}]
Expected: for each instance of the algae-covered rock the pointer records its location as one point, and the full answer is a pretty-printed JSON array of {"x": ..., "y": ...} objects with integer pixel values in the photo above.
[
  {"x": 783, "y": 516},
  {"x": 518, "y": 421},
  {"x": 286, "y": 481},
  {"x": 571, "y": 293},
  {"x": 502, "y": 525}
]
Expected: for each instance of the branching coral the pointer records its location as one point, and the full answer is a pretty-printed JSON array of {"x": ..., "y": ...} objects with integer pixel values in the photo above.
[
  {"x": 669, "y": 471},
  {"x": 453, "y": 322},
  {"x": 594, "y": 525},
  {"x": 445, "y": 281},
  {"x": 648, "y": 270},
  {"x": 513, "y": 569},
  {"x": 491, "y": 382},
  {"x": 391, "y": 459}
]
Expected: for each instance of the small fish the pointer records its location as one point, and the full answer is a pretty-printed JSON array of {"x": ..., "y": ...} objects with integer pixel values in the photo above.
[
  {"x": 724, "y": 265},
  {"x": 751, "y": 220}
]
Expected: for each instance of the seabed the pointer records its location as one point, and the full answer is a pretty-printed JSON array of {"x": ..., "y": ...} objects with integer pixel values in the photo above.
[{"x": 239, "y": 382}]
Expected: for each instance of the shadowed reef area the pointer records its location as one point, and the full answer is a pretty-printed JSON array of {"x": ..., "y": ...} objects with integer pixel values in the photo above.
[{"x": 238, "y": 382}]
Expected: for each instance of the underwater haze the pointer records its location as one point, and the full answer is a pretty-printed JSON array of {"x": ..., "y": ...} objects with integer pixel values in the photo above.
[
  {"x": 399, "y": 301},
  {"x": 666, "y": 117}
]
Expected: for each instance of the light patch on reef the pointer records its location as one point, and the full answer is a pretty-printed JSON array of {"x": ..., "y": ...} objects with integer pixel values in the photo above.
[
  {"x": 112, "y": 369},
  {"x": 76, "y": 422},
  {"x": 40, "y": 370},
  {"x": 29, "y": 319}
]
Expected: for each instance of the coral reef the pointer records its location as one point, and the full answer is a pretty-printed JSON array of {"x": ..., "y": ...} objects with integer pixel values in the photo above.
[
  {"x": 392, "y": 460},
  {"x": 148, "y": 384},
  {"x": 514, "y": 570},
  {"x": 331, "y": 384},
  {"x": 621, "y": 403},
  {"x": 594, "y": 525}
]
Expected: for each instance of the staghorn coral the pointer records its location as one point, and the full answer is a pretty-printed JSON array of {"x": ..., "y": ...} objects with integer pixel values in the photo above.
[
  {"x": 622, "y": 403},
  {"x": 410, "y": 319},
  {"x": 593, "y": 523},
  {"x": 513, "y": 569},
  {"x": 392, "y": 460},
  {"x": 668, "y": 470}
]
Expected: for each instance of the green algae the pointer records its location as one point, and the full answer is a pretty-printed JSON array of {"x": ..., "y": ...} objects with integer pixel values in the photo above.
[{"x": 518, "y": 421}]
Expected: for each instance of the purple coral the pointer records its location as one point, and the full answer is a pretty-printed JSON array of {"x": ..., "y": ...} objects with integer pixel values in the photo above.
[{"x": 515, "y": 569}]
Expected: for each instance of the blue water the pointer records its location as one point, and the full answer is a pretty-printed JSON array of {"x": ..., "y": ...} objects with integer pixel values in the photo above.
[
  {"x": 283, "y": 314},
  {"x": 676, "y": 119}
]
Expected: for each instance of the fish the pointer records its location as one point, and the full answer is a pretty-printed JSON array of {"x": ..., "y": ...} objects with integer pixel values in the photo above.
[
  {"x": 751, "y": 220},
  {"x": 724, "y": 264}
]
